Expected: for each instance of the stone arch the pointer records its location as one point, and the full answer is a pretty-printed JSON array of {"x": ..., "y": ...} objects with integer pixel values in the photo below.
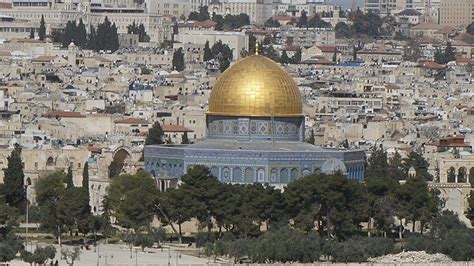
[
  {"x": 294, "y": 174},
  {"x": 50, "y": 161},
  {"x": 305, "y": 172},
  {"x": 249, "y": 175},
  {"x": 273, "y": 175},
  {"x": 317, "y": 170},
  {"x": 226, "y": 174},
  {"x": 237, "y": 174},
  {"x": 62, "y": 161},
  {"x": 462, "y": 175},
  {"x": 451, "y": 175},
  {"x": 283, "y": 176},
  {"x": 215, "y": 171},
  {"x": 118, "y": 162},
  {"x": 261, "y": 175}
]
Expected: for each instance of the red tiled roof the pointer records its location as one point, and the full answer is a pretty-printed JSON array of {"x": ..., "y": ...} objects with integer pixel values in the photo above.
[
  {"x": 432, "y": 65},
  {"x": 136, "y": 121},
  {"x": 278, "y": 17},
  {"x": 6, "y": 5},
  {"x": 43, "y": 58},
  {"x": 175, "y": 128},
  {"x": 291, "y": 48},
  {"x": 327, "y": 49},
  {"x": 53, "y": 114}
]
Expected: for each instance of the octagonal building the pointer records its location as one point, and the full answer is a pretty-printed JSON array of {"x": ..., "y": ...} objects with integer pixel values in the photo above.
[{"x": 255, "y": 133}]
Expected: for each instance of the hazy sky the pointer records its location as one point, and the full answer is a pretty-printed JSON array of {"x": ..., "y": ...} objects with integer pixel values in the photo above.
[{"x": 347, "y": 3}]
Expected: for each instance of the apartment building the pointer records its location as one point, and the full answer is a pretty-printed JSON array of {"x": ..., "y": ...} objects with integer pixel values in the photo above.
[{"x": 456, "y": 13}]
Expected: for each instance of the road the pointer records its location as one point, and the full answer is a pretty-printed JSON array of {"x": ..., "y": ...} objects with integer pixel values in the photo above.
[{"x": 119, "y": 255}]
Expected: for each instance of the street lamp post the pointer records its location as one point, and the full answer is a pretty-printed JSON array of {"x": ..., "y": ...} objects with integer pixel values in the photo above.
[{"x": 27, "y": 184}]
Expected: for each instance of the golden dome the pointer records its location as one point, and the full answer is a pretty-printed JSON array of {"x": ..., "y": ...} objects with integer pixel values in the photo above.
[{"x": 255, "y": 86}]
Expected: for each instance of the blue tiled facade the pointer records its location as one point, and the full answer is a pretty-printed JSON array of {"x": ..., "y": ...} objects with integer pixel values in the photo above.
[{"x": 253, "y": 150}]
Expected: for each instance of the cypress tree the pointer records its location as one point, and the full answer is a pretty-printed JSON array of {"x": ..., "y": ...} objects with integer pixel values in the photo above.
[
  {"x": 184, "y": 138},
  {"x": 14, "y": 179},
  {"x": 81, "y": 35},
  {"x": 155, "y": 135},
  {"x": 207, "y": 52},
  {"x": 32, "y": 33},
  {"x": 114, "y": 40},
  {"x": 42, "y": 29},
  {"x": 85, "y": 176},
  {"x": 178, "y": 60},
  {"x": 142, "y": 36},
  {"x": 69, "y": 177},
  {"x": 92, "y": 39},
  {"x": 284, "y": 59}
]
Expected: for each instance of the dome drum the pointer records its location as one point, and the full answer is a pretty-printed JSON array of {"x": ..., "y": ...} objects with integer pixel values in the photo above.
[{"x": 247, "y": 128}]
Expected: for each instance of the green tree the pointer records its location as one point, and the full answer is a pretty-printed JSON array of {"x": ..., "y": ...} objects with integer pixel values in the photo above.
[
  {"x": 69, "y": 33},
  {"x": 303, "y": 20},
  {"x": 395, "y": 167},
  {"x": 296, "y": 58},
  {"x": 284, "y": 59},
  {"x": 155, "y": 135},
  {"x": 333, "y": 204},
  {"x": 470, "y": 28},
  {"x": 32, "y": 33},
  {"x": 178, "y": 60},
  {"x": 271, "y": 53},
  {"x": 75, "y": 208},
  {"x": 449, "y": 52},
  {"x": 132, "y": 199},
  {"x": 207, "y": 52},
  {"x": 49, "y": 194},
  {"x": 317, "y": 22},
  {"x": 311, "y": 139},
  {"x": 252, "y": 44},
  {"x": 342, "y": 30},
  {"x": 194, "y": 16},
  {"x": 178, "y": 207},
  {"x": 13, "y": 180},
  {"x": 69, "y": 178},
  {"x": 271, "y": 23},
  {"x": 10, "y": 244},
  {"x": 203, "y": 13},
  {"x": 80, "y": 38},
  {"x": 85, "y": 176},
  {"x": 142, "y": 35},
  {"x": 417, "y": 203},
  {"x": 411, "y": 51},
  {"x": 92, "y": 39},
  {"x": 42, "y": 29},
  {"x": 184, "y": 138},
  {"x": 39, "y": 256},
  {"x": 420, "y": 164}
]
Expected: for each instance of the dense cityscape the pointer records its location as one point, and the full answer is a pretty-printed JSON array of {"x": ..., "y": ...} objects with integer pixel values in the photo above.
[{"x": 193, "y": 132}]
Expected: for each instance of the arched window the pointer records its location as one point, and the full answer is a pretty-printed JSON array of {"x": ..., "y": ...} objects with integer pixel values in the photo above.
[
  {"x": 306, "y": 172},
  {"x": 50, "y": 161},
  {"x": 249, "y": 175},
  {"x": 226, "y": 175},
  {"x": 273, "y": 176},
  {"x": 261, "y": 175},
  {"x": 451, "y": 175},
  {"x": 215, "y": 171},
  {"x": 283, "y": 176},
  {"x": 237, "y": 174},
  {"x": 294, "y": 174},
  {"x": 462, "y": 171}
]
